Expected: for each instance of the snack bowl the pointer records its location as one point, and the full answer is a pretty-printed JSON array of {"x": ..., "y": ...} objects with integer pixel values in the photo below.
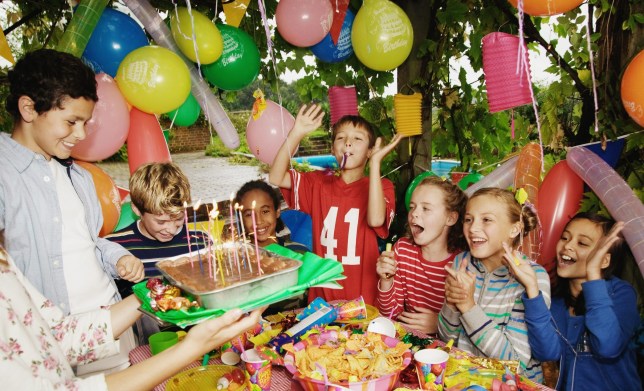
[{"x": 381, "y": 383}]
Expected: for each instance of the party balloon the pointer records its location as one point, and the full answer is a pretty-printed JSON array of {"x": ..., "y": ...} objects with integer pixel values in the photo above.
[
  {"x": 79, "y": 30},
  {"x": 239, "y": 63},
  {"x": 528, "y": 178},
  {"x": 145, "y": 142},
  {"x": 633, "y": 90},
  {"x": 154, "y": 79},
  {"x": 382, "y": 35},
  {"x": 469, "y": 179},
  {"x": 266, "y": 134},
  {"x": 108, "y": 196},
  {"x": 115, "y": 36},
  {"x": 502, "y": 177},
  {"x": 110, "y": 123},
  {"x": 187, "y": 113},
  {"x": 303, "y": 22},
  {"x": 196, "y": 36},
  {"x": 619, "y": 198},
  {"x": 559, "y": 198},
  {"x": 212, "y": 109},
  {"x": 127, "y": 217},
  {"x": 327, "y": 51},
  {"x": 412, "y": 186},
  {"x": 547, "y": 7}
]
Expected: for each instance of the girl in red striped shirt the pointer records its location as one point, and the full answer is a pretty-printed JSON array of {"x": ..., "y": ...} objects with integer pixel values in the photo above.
[{"x": 412, "y": 276}]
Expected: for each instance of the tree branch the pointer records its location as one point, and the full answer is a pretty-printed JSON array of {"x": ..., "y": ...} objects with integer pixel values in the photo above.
[{"x": 22, "y": 21}]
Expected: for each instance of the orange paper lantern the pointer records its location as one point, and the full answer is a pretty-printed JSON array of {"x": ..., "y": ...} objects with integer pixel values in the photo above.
[
  {"x": 547, "y": 7},
  {"x": 408, "y": 114},
  {"x": 633, "y": 89}
]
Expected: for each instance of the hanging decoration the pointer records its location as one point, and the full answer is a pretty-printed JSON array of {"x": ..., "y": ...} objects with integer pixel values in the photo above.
[
  {"x": 409, "y": 117},
  {"x": 234, "y": 10},
  {"x": 79, "y": 29},
  {"x": 329, "y": 50},
  {"x": 343, "y": 100},
  {"x": 5, "y": 50},
  {"x": 340, "y": 11},
  {"x": 632, "y": 90},
  {"x": 547, "y": 7}
]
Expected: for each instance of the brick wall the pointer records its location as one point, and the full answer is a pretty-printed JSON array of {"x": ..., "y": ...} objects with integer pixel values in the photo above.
[{"x": 189, "y": 139}]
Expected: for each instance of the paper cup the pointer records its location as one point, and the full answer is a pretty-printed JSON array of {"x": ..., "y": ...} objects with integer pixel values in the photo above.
[
  {"x": 352, "y": 310},
  {"x": 430, "y": 366},
  {"x": 258, "y": 370},
  {"x": 162, "y": 340}
]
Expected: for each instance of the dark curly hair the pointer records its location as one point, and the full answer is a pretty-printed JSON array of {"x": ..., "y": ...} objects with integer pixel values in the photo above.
[
  {"x": 48, "y": 77},
  {"x": 266, "y": 188}
]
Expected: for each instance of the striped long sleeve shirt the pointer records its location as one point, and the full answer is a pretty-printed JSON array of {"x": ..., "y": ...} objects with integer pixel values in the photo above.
[{"x": 495, "y": 326}]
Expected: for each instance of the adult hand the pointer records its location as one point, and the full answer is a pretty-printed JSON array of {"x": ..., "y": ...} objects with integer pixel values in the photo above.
[
  {"x": 423, "y": 319},
  {"x": 130, "y": 268},
  {"x": 309, "y": 118},
  {"x": 521, "y": 269},
  {"x": 598, "y": 258}
]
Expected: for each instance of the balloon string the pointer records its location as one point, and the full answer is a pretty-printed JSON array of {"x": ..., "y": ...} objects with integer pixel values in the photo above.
[
  {"x": 592, "y": 69},
  {"x": 193, "y": 37}
]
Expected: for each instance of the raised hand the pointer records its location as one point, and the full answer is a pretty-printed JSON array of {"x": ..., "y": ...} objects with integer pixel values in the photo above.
[
  {"x": 599, "y": 258},
  {"x": 309, "y": 118},
  {"x": 459, "y": 287},
  {"x": 386, "y": 268},
  {"x": 379, "y": 151},
  {"x": 521, "y": 269}
]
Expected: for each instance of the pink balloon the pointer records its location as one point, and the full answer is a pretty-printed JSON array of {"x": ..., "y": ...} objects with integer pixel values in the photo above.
[
  {"x": 108, "y": 128},
  {"x": 619, "y": 198},
  {"x": 304, "y": 23},
  {"x": 266, "y": 134},
  {"x": 145, "y": 143}
]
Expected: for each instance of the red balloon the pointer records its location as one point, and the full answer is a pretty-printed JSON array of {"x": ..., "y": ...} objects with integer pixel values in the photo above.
[
  {"x": 559, "y": 198},
  {"x": 108, "y": 196},
  {"x": 145, "y": 141}
]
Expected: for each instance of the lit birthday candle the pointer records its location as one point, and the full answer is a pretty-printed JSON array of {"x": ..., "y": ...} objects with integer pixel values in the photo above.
[
  {"x": 241, "y": 213},
  {"x": 232, "y": 228},
  {"x": 185, "y": 214},
  {"x": 252, "y": 213},
  {"x": 194, "y": 214}
]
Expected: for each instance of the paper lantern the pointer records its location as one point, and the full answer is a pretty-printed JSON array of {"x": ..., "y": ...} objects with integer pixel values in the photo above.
[
  {"x": 547, "y": 7},
  {"x": 408, "y": 114},
  {"x": 343, "y": 101},
  {"x": 505, "y": 87},
  {"x": 633, "y": 89}
]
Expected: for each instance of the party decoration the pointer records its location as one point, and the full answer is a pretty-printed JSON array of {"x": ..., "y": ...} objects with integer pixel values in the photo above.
[
  {"x": 615, "y": 193},
  {"x": 109, "y": 126},
  {"x": 115, "y": 36},
  {"x": 631, "y": 91},
  {"x": 300, "y": 225},
  {"x": 502, "y": 177},
  {"x": 559, "y": 197},
  {"x": 408, "y": 114},
  {"x": 328, "y": 50},
  {"x": 469, "y": 179},
  {"x": 303, "y": 23},
  {"x": 211, "y": 107},
  {"x": 609, "y": 151},
  {"x": 154, "y": 79},
  {"x": 382, "y": 35},
  {"x": 235, "y": 11},
  {"x": 145, "y": 142},
  {"x": 5, "y": 50},
  {"x": 79, "y": 29},
  {"x": 507, "y": 86},
  {"x": 266, "y": 134},
  {"x": 343, "y": 100},
  {"x": 239, "y": 63},
  {"x": 547, "y": 7},
  {"x": 126, "y": 217},
  {"x": 527, "y": 178},
  {"x": 340, "y": 12},
  {"x": 123, "y": 193},
  {"x": 414, "y": 183},
  {"x": 196, "y": 36},
  {"x": 187, "y": 113},
  {"x": 108, "y": 196}
]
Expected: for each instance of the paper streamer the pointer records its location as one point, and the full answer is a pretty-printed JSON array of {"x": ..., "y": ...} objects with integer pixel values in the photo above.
[
  {"x": 502, "y": 177},
  {"x": 210, "y": 105},
  {"x": 619, "y": 198}
]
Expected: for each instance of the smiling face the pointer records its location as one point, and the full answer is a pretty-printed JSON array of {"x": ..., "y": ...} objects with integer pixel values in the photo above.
[
  {"x": 162, "y": 227},
  {"x": 576, "y": 242},
  {"x": 351, "y": 143},
  {"x": 486, "y": 226},
  {"x": 265, "y": 216},
  {"x": 428, "y": 217},
  {"x": 54, "y": 132}
]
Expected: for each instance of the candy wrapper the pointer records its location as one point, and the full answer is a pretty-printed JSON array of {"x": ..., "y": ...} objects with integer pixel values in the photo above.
[
  {"x": 164, "y": 297},
  {"x": 270, "y": 354},
  {"x": 351, "y": 309}
]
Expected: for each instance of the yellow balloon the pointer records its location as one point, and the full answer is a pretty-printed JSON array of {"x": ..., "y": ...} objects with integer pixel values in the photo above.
[
  {"x": 382, "y": 35},
  {"x": 207, "y": 38},
  {"x": 153, "y": 79}
]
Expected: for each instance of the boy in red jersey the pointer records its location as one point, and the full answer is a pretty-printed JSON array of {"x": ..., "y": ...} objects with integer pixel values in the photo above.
[{"x": 349, "y": 211}]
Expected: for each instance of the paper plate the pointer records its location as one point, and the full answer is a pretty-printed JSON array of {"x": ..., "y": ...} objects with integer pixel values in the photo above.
[
  {"x": 372, "y": 313},
  {"x": 200, "y": 378}
]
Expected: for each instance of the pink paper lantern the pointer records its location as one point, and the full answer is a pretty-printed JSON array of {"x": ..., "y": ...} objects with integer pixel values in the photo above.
[
  {"x": 343, "y": 101},
  {"x": 505, "y": 87}
]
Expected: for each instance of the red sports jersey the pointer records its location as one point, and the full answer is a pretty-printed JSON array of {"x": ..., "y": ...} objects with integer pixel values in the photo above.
[
  {"x": 417, "y": 283},
  {"x": 340, "y": 229}
]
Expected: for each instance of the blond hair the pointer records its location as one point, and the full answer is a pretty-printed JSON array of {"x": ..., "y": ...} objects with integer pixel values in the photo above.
[{"x": 159, "y": 188}]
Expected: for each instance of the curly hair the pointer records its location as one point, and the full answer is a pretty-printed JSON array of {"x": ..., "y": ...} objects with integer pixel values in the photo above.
[
  {"x": 49, "y": 77},
  {"x": 159, "y": 188},
  {"x": 266, "y": 188},
  {"x": 357, "y": 122}
]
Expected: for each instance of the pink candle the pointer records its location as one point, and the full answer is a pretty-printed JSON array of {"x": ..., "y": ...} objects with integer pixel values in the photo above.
[
  {"x": 208, "y": 213},
  {"x": 259, "y": 266},
  {"x": 232, "y": 229},
  {"x": 185, "y": 214},
  {"x": 241, "y": 214}
]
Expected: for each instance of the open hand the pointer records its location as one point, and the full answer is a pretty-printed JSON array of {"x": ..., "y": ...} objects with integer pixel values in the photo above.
[
  {"x": 599, "y": 258},
  {"x": 378, "y": 152},
  {"x": 309, "y": 118}
]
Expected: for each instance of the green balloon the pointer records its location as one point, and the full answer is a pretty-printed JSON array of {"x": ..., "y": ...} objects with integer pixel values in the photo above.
[
  {"x": 469, "y": 180},
  {"x": 187, "y": 113},
  {"x": 412, "y": 186},
  {"x": 127, "y": 216},
  {"x": 239, "y": 63}
]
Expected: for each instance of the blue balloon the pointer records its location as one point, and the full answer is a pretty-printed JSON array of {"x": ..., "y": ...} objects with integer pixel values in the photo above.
[
  {"x": 115, "y": 35},
  {"x": 327, "y": 51}
]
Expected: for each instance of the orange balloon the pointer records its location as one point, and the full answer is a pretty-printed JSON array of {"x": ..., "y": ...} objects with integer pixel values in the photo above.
[
  {"x": 528, "y": 177},
  {"x": 633, "y": 89},
  {"x": 547, "y": 7},
  {"x": 108, "y": 196}
]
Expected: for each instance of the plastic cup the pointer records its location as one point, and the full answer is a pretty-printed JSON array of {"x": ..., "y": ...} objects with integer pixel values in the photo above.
[
  {"x": 352, "y": 310},
  {"x": 229, "y": 354},
  {"x": 258, "y": 370},
  {"x": 430, "y": 366},
  {"x": 162, "y": 340}
]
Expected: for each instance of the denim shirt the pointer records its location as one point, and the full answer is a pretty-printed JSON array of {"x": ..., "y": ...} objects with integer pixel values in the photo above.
[{"x": 31, "y": 223}]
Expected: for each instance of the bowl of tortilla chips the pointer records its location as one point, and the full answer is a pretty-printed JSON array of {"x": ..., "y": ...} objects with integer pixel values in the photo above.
[{"x": 353, "y": 361}]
